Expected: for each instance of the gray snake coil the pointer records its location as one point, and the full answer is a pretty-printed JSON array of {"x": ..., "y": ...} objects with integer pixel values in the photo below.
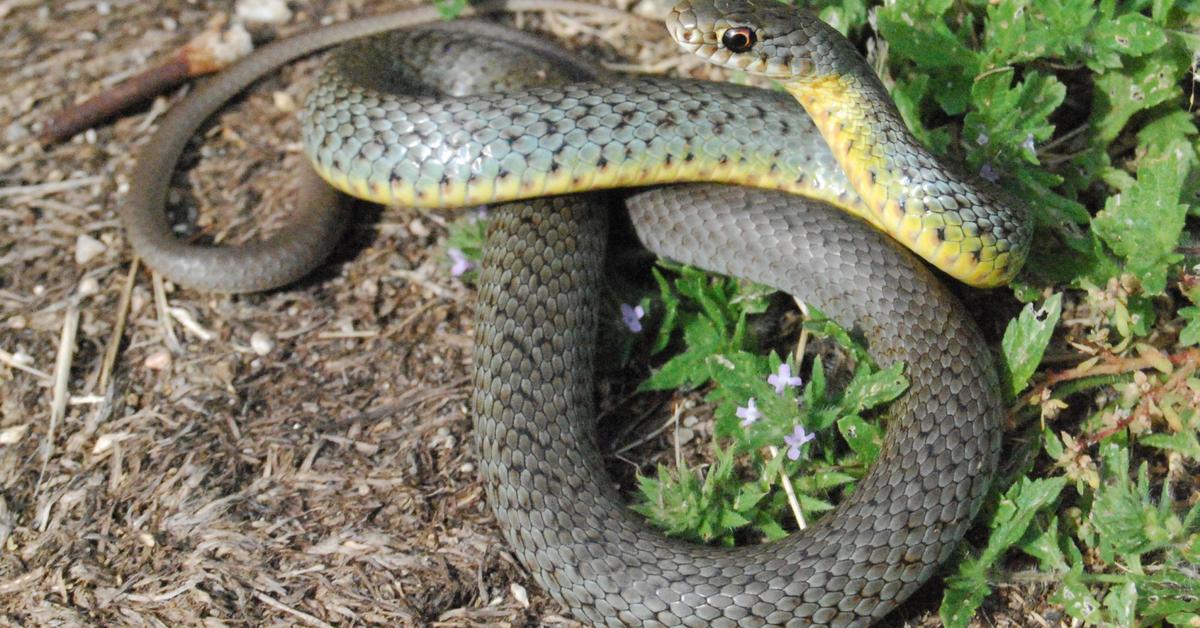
[{"x": 534, "y": 407}]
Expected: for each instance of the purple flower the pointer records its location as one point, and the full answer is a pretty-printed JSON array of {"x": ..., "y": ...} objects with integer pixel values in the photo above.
[
  {"x": 989, "y": 173},
  {"x": 632, "y": 315},
  {"x": 461, "y": 263},
  {"x": 783, "y": 379},
  {"x": 983, "y": 139},
  {"x": 797, "y": 438},
  {"x": 749, "y": 414}
]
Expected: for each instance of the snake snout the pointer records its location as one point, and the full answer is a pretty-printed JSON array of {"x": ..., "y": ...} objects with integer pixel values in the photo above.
[{"x": 684, "y": 27}]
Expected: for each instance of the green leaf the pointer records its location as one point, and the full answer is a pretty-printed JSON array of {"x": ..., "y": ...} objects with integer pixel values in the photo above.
[
  {"x": 1190, "y": 334},
  {"x": 1015, "y": 510},
  {"x": 1121, "y": 94},
  {"x": 688, "y": 369},
  {"x": 1142, "y": 224},
  {"x": 964, "y": 593},
  {"x": 908, "y": 96},
  {"x": 1007, "y": 115},
  {"x": 1025, "y": 340},
  {"x": 450, "y": 9},
  {"x": 864, "y": 438},
  {"x": 1184, "y": 442},
  {"x": 1045, "y": 547},
  {"x": 1131, "y": 35},
  {"x": 814, "y": 390},
  {"x": 915, "y": 31},
  {"x": 1065, "y": 21},
  {"x": 670, "y": 311},
  {"x": 868, "y": 390},
  {"x": 1077, "y": 600},
  {"x": 823, "y": 327},
  {"x": 1120, "y": 604}
]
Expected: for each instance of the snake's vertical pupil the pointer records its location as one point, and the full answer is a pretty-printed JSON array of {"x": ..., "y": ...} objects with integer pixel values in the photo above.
[{"x": 738, "y": 39}]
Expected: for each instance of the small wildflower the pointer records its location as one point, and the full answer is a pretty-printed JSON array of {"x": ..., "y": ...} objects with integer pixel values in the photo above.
[
  {"x": 989, "y": 173},
  {"x": 1028, "y": 144},
  {"x": 632, "y": 315},
  {"x": 982, "y": 140},
  {"x": 461, "y": 263},
  {"x": 749, "y": 414},
  {"x": 797, "y": 438},
  {"x": 783, "y": 379}
]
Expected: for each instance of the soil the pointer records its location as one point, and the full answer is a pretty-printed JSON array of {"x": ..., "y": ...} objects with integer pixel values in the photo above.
[{"x": 300, "y": 457}]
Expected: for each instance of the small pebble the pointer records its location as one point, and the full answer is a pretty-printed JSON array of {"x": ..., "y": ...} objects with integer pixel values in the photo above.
[
  {"x": 88, "y": 287},
  {"x": 264, "y": 11},
  {"x": 107, "y": 441},
  {"x": 520, "y": 594},
  {"x": 15, "y": 132},
  {"x": 158, "y": 360},
  {"x": 418, "y": 228},
  {"x": 284, "y": 102},
  {"x": 87, "y": 248},
  {"x": 261, "y": 343},
  {"x": 13, "y": 435}
]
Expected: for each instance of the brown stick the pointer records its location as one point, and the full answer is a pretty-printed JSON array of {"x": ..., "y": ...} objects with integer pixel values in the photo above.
[
  {"x": 207, "y": 53},
  {"x": 72, "y": 119}
]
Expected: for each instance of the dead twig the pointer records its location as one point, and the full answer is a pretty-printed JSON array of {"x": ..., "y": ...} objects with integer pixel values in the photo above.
[{"x": 213, "y": 50}]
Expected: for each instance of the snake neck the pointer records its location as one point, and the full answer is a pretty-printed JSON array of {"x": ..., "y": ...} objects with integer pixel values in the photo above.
[{"x": 895, "y": 177}]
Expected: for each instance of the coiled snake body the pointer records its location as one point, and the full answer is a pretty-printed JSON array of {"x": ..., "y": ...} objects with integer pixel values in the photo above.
[{"x": 541, "y": 273}]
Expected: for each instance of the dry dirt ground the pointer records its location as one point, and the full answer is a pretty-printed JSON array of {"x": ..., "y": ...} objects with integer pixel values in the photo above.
[{"x": 329, "y": 479}]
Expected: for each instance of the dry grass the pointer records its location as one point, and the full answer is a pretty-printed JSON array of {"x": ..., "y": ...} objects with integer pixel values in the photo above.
[{"x": 157, "y": 470}]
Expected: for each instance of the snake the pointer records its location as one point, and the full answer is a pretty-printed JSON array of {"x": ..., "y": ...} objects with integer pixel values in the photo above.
[{"x": 843, "y": 201}]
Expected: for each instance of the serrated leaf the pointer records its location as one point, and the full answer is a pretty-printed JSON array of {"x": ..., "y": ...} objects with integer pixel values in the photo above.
[
  {"x": 868, "y": 390},
  {"x": 1008, "y": 115},
  {"x": 1015, "y": 510},
  {"x": 1143, "y": 223},
  {"x": 450, "y": 9},
  {"x": 1120, "y": 603},
  {"x": 1077, "y": 600},
  {"x": 964, "y": 593},
  {"x": 731, "y": 520},
  {"x": 908, "y": 96},
  {"x": 810, "y": 505},
  {"x": 1184, "y": 442},
  {"x": 1044, "y": 547},
  {"x": 1121, "y": 94},
  {"x": 1065, "y": 20},
  {"x": 1190, "y": 334},
  {"x": 1130, "y": 35},
  {"x": 915, "y": 31},
  {"x": 823, "y": 327},
  {"x": 825, "y": 480},
  {"x": 814, "y": 390},
  {"x": 1025, "y": 340},
  {"x": 864, "y": 438}
]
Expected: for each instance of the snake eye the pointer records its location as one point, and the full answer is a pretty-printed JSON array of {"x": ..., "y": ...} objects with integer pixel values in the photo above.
[{"x": 739, "y": 39}]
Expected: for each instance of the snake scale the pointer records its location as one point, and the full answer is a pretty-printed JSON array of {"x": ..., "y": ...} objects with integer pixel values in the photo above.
[{"x": 448, "y": 124}]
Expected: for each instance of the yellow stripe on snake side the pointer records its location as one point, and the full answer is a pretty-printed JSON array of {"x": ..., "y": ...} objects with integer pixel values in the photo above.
[{"x": 847, "y": 118}]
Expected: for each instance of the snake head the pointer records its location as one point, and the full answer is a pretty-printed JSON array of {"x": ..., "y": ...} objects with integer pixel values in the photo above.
[{"x": 761, "y": 37}]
